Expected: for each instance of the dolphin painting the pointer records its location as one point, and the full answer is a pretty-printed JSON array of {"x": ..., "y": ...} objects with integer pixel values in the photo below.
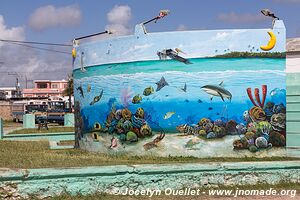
[
  {"x": 218, "y": 91},
  {"x": 97, "y": 98},
  {"x": 80, "y": 90}
]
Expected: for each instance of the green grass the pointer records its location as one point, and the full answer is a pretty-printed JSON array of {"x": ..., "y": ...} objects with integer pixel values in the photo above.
[
  {"x": 36, "y": 154},
  {"x": 103, "y": 196},
  {"x": 9, "y": 123},
  {"x": 57, "y": 129}
]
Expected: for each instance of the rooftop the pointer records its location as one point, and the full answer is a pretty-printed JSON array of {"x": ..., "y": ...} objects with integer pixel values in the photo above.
[
  {"x": 293, "y": 47},
  {"x": 293, "y": 44},
  {"x": 50, "y": 80},
  {"x": 7, "y": 88}
]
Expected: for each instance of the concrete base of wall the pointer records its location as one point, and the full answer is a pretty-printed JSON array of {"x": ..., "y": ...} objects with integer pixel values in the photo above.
[
  {"x": 40, "y": 136},
  {"x": 109, "y": 179}
]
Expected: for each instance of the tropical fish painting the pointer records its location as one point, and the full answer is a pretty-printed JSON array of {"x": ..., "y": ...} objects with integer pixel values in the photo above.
[
  {"x": 168, "y": 115},
  {"x": 212, "y": 93}
]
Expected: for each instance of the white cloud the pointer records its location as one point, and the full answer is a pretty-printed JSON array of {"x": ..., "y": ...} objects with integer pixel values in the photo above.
[
  {"x": 119, "y": 14},
  {"x": 221, "y": 36},
  {"x": 182, "y": 27},
  {"x": 233, "y": 17},
  {"x": 136, "y": 48},
  {"x": 118, "y": 29},
  {"x": 27, "y": 61},
  {"x": 14, "y": 33},
  {"x": 118, "y": 18},
  {"x": 49, "y": 16}
]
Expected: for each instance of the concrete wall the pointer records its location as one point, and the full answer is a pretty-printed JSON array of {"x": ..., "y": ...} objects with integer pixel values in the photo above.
[
  {"x": 293, "y": 113},
  {"x": 117, "y": 96},
  {"x": 40, "y": 136},
  {"x": 111, "y": 179},
  {"x": 5, "y": 110}
]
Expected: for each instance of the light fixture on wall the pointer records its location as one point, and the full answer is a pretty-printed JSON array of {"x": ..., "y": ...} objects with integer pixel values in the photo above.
[
  {"x": 162, "y": 14},
  {"x": 268, "y": 13}
]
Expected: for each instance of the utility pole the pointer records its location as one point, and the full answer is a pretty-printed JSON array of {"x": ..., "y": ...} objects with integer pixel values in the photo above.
[
  {"x": 18, "y": 87},
  {"x": 26, "y": 81},
  {"x": 70, "y": 97}
]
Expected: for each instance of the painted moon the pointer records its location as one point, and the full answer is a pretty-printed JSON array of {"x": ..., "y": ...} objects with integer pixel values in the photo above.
[{"x": 271, "y": 42}]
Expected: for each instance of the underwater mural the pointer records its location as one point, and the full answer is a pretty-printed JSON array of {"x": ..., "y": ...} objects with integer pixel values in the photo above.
[{"x": 208, "y": 93}]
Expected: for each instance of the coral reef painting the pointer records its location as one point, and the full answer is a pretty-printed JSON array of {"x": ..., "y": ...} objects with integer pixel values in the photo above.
[{"x": 190, "y": 93}]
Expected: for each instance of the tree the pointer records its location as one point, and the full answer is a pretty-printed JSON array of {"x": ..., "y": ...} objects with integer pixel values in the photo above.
[{"x": 70, "y": 89}]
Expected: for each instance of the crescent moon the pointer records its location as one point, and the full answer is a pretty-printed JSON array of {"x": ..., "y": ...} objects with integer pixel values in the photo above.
[{"x": 271, "y": 44}]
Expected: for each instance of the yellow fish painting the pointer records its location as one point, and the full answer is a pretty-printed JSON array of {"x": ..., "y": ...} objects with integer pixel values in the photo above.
[{"x": 168, "y": 115}]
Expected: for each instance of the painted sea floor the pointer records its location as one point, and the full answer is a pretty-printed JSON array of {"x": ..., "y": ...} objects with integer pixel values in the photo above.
[{"x": 176, "y": 145}]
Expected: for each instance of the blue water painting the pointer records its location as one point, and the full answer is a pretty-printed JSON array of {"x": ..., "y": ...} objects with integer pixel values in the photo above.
[{"x": 239, "y": 74}]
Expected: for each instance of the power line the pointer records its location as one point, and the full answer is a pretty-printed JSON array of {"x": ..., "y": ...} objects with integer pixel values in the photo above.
[
  {"x": 41, "y": 43},
  {"x": 40, "y": 48},
  {"x": 44, "y": 72}
]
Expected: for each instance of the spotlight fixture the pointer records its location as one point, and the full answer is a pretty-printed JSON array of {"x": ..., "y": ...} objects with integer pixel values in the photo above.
[
  {"x": 162, "y": 14},
  {"x": 268, "y": 13}
]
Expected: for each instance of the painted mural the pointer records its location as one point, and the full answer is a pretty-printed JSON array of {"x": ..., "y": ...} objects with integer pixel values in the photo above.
[{"x": 205, "y": 93}]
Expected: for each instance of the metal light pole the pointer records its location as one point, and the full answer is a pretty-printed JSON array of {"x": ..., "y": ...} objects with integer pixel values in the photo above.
[
  {"x": 17, "y": 82},
  {"x": 18, "y": 87}
]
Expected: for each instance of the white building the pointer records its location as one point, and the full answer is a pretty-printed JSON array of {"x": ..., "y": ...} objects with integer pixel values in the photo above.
[{"x": 8, "y": 92}]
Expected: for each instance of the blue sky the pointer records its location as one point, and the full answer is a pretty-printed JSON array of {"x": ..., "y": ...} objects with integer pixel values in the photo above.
[
  {"x": 26, "y": 20},
  {"x": 192, "y": 14}
]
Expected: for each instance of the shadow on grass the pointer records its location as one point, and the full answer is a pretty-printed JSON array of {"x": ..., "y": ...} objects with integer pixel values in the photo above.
[{"x": 36, "y": 154}]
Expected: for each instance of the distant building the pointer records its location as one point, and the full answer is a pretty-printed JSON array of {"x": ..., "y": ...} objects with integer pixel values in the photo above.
[
  {"x": 8, "y": 92},
  {"x": 46, "y": 88}
]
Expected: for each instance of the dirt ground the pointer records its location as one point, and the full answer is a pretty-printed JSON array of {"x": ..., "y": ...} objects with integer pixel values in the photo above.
[{"x": 10, "y": 126}]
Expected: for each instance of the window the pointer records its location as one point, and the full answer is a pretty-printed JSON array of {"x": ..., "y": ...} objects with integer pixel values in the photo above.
[
  {"x": 42, "y": 85},
  {"x": 54, "y": 86},
  {"x": 65, "y": 85}
]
